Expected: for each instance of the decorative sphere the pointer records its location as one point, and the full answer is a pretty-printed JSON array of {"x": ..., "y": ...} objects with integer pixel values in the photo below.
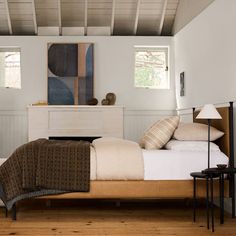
[
  {"x": 93, "y": 101},
  {"x": 111, "y": 97},
  {"x": 105, "y": 102}
]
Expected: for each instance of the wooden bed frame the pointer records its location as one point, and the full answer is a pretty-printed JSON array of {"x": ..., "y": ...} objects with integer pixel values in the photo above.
[{"x": 160, "y": 188}]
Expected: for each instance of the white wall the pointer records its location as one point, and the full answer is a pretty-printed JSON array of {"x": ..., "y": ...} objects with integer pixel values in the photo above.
[
  {"x": 114, "y": 71},
  {"x": 186, "y": 11},
  {"x": 205, "y": 50}
]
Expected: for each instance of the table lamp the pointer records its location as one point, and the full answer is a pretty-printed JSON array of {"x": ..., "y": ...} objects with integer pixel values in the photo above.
[{"x": 209, "y": 112}]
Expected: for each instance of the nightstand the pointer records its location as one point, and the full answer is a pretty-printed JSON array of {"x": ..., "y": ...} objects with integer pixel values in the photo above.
[
  {"x": 209, "y": 204},
  {"x": 221, "y": 173}
]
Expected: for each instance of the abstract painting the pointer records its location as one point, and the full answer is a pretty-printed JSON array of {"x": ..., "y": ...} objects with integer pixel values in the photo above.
[{"x": 70, "y": 73}]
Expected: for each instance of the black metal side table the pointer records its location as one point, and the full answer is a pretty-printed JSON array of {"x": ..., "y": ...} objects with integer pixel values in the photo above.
[
  {"x": 221, "y": 173},
  {"x": 207, "y": 177}
]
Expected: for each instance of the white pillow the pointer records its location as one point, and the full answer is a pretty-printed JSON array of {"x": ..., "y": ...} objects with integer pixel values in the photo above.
[
  {"x": 196, "y": 132},
  {"x": 176, "y": 145}
]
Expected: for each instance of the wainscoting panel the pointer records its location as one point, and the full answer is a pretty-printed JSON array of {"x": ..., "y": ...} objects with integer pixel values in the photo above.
[
  {"x": 13, "y": 131},
  {"x": 137, "y": 121},
  {"x": 186, "y": 115}
]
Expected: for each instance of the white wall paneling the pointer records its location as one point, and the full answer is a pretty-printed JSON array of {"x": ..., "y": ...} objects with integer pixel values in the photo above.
[
  {"x": 186, "y": 115},
  {"x": 122, "y": 16},
  {"x": 137, "y": 121},
  {"x": 13, "y": 130},
  {"x": 75, "y": 121}
]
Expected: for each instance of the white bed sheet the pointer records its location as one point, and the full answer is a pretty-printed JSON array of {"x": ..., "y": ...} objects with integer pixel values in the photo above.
[{"x": 177, "y": 165}]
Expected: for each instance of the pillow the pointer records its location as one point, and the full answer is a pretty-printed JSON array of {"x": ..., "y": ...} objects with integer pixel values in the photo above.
[
  {"x": 196, "y": 132},
  {"x": 176, "y": 145},
  {"x": 159, "y": 133}
]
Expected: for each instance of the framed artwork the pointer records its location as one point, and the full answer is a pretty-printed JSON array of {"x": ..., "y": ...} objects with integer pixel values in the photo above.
[
  {"x": 182, "y": 88},
  {"x": 70, "y": 73}
]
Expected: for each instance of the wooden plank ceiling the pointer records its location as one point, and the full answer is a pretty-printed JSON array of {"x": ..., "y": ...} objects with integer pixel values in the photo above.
[{"x": 108, "y": 17}]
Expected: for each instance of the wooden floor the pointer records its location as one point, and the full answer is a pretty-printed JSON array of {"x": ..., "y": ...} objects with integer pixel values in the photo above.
[{"x": 105, "y": 218}]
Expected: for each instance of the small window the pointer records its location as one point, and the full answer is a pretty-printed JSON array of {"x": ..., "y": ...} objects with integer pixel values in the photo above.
[
  {"x": 151, "y": 67},
  {"x": 10, "y": 71}
]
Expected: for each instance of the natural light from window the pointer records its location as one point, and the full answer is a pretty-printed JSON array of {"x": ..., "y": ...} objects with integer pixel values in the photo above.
[
  {"x": 151, "y": 67},
  {"x": 10, "y": 71}
]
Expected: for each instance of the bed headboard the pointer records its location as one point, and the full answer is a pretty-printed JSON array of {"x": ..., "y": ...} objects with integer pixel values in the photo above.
[{"x": 223, "y": 125}]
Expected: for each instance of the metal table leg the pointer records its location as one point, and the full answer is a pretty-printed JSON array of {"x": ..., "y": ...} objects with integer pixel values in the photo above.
[
  {"x": 212, "y": 206},
  {"x": 207, "y": 201},
  {"x": 233, "y": 195},
  {"x": 194, "y": 199},
  {"x": 222, "y": 198}
]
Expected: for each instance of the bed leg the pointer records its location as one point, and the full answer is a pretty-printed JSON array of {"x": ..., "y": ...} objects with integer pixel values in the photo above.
[
  {"x": 48, "y": 203},
  {"x": 14, "y": 212},
  {"x": 6, "y": 212},
  {"x": 117, "y": 203},
  {"x": 187, "y": 202}
]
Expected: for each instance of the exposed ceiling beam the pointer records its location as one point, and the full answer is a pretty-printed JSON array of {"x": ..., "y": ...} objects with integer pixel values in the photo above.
[
  {"x": 162, "y": 17},
  {"x": 8, "y": 16},
  {"x": 113, "y": 16},
  {"x": 34, "y": 17},
  {"x": 85, "y": 16},
  {"x": 59, "y": 15},
  {"x": 136, "y": 17}
]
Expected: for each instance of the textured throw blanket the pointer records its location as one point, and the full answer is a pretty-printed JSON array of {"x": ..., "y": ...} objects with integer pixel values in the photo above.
[{"x": 45, "y": 167}]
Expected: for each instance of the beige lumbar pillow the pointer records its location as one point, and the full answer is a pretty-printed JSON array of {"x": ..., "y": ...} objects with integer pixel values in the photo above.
[
  {"x": 159, "y": 133},
  {"x": 196, "y": 132}
]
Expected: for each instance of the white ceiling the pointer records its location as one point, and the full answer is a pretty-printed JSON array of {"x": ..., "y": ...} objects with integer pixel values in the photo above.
[{"x": 95, "y": 17}]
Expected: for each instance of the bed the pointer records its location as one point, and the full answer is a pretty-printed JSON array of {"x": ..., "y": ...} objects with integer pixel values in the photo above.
[
  {"x": 163, "y": 177},
  {"x": 165, "y": 184}
]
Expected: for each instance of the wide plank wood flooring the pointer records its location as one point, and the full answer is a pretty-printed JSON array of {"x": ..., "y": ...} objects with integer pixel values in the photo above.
[{"x": 105, "y": 218}]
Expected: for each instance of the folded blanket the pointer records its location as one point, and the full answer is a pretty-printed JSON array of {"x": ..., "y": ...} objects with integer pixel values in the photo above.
[
  {"x": 118, "y": 159},
  {"x": 44, "y": 165},
  {"x": 64, "y": 165}
]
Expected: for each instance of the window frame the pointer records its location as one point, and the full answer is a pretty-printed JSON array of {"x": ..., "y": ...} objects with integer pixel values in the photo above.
[
  {"x": 162, "y": 48},
  {"x": 12, "y": 49}
]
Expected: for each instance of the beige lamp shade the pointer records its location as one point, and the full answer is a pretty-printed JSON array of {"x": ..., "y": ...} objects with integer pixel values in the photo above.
[{"x": 209, "y": 112}]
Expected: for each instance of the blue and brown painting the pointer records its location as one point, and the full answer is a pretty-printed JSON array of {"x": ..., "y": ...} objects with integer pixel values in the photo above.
[{"x": 70, "y": 73}]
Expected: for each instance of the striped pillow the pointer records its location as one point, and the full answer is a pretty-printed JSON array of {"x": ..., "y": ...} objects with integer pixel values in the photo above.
[{"x": 159, "y": 133}]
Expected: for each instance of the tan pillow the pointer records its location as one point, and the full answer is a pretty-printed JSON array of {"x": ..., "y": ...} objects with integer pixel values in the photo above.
[
  {"x": 159, "y": 133},
  {"x": 196, "y": 132}
]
